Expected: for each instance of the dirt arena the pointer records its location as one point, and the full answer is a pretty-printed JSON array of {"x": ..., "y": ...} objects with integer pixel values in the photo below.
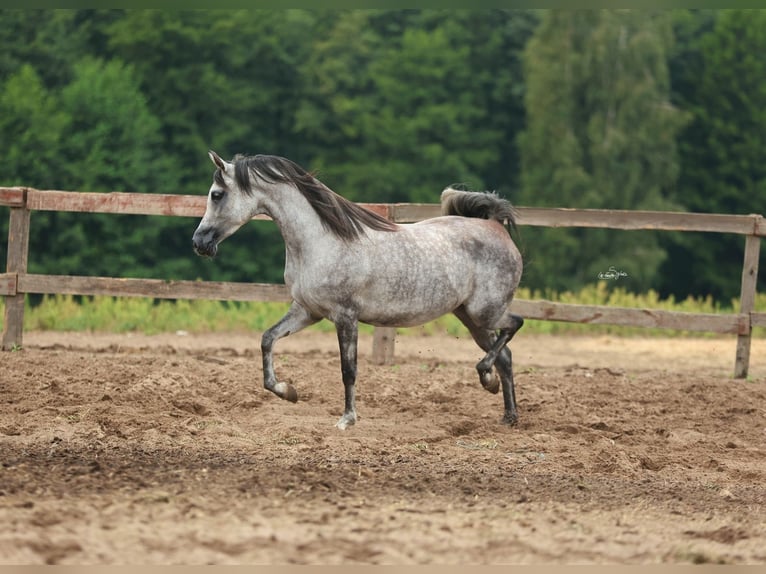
[{"x": 123, "y": 449}]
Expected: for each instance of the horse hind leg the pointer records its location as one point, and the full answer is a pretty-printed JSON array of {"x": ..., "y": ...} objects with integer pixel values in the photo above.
[
  {"x": 505, "y": 366},
  {"x": 507, "y": 327},
  {"x": 501, "y": 355},
  {"x": 488, "y": 378},
  {"x": 498, "y": 356}
]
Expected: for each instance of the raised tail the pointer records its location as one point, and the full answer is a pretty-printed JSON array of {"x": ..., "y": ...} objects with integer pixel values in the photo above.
[{"x": 480, "y": 204}]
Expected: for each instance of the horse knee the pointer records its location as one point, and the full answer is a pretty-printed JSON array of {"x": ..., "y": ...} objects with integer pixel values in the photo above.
[
  {"x": 267, "y": 341},
  {"x": 509, "y": 325},
  {"x": 518, "y": 322}
]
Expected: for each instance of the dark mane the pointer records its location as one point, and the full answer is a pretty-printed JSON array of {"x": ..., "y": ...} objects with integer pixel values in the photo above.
[{"x": 342, "y": 217}]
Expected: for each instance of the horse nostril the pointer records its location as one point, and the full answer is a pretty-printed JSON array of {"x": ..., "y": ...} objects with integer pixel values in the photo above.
[{"x": 204, "y": 242}]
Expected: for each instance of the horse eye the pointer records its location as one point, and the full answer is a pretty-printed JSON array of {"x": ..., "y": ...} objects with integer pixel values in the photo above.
[{"x": 216, "y": 195}]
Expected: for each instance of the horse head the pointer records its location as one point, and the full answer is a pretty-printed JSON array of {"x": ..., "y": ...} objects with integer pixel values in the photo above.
[{"x": 228, "y": 209}]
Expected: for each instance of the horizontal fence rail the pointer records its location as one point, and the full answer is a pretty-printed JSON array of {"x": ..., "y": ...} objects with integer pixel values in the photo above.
[
  {"x": 194, "y": 206},
  {"x": 16, "y": 282},
  {"x": 607, "y": 218}
]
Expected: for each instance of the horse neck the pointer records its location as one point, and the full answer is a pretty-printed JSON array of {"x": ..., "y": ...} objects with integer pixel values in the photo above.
[{"x": 298, "y": 223}]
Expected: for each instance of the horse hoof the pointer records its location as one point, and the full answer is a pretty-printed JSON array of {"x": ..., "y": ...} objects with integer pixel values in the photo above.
[
  {"x": 490, "y": 381},
  {"x": 510, "y": 419},
  {"x": 291, "y": 394},
  {"x": 286, "y": 391},
  {"x": 345, "y": 422}
]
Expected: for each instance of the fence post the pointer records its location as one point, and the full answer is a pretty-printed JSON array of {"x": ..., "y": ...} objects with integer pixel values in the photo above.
[
  {"x": 383, "y": 338},
  {"x": 18, "y": 250},
  {"x": 383, "y": 345},
  {"x": 747, "y": 303}
]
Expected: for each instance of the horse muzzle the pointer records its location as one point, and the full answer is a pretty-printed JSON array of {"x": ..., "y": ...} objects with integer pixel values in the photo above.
[{"x": 205, "y": 242}]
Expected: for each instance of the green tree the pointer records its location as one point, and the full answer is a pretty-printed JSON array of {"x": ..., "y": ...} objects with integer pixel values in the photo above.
[
  {"x": 420, "y": 132},
  {"x": 46, "y": 40},
  {"x": 339, "y": 94},
  {"x": 497, "y": 39},
  {"x": 226, "y": 80},
  {"x": 113, "y": 140},
  {"x": 424, "y": 100},
  {"x": 109, "y": 141},
  {"x": 32, "y": 127},
  {"x": 389, "y": 105},
  {"x": 600, "y": 134},
  {"x": 723, "y": 84}
]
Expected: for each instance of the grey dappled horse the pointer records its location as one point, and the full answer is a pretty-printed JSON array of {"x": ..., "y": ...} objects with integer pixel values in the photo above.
[{"x": 347, "y": 264}]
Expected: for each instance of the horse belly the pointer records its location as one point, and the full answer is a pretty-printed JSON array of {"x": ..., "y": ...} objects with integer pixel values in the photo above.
[{"x": 408, "y": 301}]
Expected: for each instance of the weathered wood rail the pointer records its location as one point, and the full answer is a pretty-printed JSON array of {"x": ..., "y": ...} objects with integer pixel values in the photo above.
[{"x": 17, "y": 282}]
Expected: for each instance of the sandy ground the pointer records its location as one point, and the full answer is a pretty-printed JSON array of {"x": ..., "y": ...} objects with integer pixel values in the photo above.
[{"x": 119, "y": 449}]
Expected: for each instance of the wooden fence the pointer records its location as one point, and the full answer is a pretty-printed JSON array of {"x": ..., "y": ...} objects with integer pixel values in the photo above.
[{"x": 16, "y": 282}]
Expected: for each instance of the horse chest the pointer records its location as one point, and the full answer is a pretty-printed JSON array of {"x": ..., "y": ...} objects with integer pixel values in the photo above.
[{"x": 322, "y": 292}]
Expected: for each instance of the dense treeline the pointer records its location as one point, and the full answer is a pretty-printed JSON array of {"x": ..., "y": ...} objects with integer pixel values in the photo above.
[{"x": 602, "y": 109}]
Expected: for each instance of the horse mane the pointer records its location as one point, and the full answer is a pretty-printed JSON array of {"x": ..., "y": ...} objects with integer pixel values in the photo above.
[{"x": 342, "y": 217}]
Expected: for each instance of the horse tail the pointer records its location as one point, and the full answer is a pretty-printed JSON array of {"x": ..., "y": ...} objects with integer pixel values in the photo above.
[{"x": 480, "y": 204}]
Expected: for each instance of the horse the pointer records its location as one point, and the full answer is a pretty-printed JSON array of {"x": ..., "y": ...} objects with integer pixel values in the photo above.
[{"x": 349, "y": 265}]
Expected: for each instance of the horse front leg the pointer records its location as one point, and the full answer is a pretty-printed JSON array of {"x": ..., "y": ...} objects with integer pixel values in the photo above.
[
  {"x": 295, "y": 319},
  {"x": 348, "y": 335}
]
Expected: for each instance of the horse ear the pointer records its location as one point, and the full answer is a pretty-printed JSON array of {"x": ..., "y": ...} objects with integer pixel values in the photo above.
[{"x": 216, "y": 159}]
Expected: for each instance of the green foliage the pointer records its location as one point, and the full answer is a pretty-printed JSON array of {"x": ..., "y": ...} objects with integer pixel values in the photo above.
[
  {"x": 174, "y": 55},
  {"x": 113, "y": 140},
  {"x": 123, "y": 315},
  {"x": 723, "y": 83},
  {"x": 600, "y": 134},
  {"x": 626, "y": 109},
  {"x": 405, "y": 114},
  {"x": 219, "y": 79},
  {"x": 127, "y": 314},
  {"x": 32, "y": 128},
  {"x": 49, "y": 41}
]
